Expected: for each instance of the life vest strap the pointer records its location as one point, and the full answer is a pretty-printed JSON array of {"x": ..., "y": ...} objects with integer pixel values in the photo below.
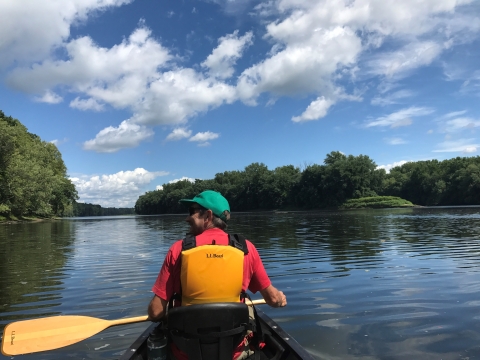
[
  {"x": 258, "y": 340},
  {"x": 189, "y": 242},
  {"x": 236, "y": 240}
]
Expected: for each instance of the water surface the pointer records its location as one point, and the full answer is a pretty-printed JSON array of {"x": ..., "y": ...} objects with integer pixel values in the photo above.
[{"x": 370, "y": 284}]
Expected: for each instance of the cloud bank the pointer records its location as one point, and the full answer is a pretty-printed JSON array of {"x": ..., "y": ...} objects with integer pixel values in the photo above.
[
  {"x": 317, "y": 48},
  {"x": 116, "y": 190}
]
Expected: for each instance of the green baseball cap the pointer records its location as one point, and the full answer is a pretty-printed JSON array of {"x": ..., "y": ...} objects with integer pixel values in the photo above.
[{"x": 212, "y": 200}]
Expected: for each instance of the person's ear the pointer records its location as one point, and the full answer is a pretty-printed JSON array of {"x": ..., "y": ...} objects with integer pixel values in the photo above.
[{"x": 209, "y": 216}]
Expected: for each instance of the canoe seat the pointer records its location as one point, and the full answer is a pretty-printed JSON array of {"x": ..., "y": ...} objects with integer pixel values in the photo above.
[{"x": 208, "y": 331}]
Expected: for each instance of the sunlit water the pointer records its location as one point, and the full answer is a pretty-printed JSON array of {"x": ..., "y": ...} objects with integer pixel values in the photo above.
[{"x": 379, "y": 284}]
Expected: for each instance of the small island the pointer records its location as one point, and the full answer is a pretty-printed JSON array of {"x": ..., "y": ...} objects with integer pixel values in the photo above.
[{"x": 376, "y": 202}]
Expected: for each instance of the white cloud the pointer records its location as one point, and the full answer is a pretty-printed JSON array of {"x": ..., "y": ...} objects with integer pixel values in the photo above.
[
  {"x": 389, "y": 167},
  {"x": 177, "y": 95},
  {"x": 112, "y": 139},
  {"x": 160, "y": 187},
  {"x": 181, "y": 179},
  {"x": 86, "y": 104},
  {"x": 204, "y": 136},
  {"x": 402, "y": 61},
  {"x": 460, "y": 124},
  {"x": 306, "y": 63},
  {"x": 316, "y": 110},
  {"x": 230, "y": 47},
  {"x": 58, "y": 142},
  {"x": 400, "y": 118},
  {"x": 178, "y": 134},
  {"x": 460, "y": 145},
  {"x": 31, "y": 29},
  {"x": 266, "y": 9},
  {"x": 116, "y": 190},
  {"x": 117, "y": 76},
  {"x": 454, "y": 114},
  {"x": 470, "y": 149},
  {"x": 49, "y": 97},
  {"x": 232, "y": 7},
  {"x": 393, "y": 98},
  {"x": 395, "y": 141}
]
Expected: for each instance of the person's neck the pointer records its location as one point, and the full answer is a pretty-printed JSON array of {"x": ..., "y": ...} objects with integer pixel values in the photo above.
[{"x": 209, "y": 226}]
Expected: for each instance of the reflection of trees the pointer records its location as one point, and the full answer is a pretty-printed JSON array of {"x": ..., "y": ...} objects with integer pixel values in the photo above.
[
  {"x": 345, "y": 239},
  {"x": 32, "y": 259},
  {"x": 168, "y": 227},
  {"x": 267, "y": 230},
  {"x": 344, "y": 236}
]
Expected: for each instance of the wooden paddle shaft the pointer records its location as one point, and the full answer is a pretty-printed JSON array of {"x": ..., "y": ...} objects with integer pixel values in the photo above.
[{"x": 255, "y": 302}]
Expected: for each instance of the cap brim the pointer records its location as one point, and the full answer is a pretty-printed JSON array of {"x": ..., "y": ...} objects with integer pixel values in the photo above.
[{"x": 187, "y": 201}]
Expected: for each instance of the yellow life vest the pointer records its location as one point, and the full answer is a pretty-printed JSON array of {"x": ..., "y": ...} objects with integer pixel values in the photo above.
[{"x": 212, "y": 273}]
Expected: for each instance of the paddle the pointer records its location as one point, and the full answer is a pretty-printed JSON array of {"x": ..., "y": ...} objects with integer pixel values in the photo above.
[{"x": 29, "y": 336}]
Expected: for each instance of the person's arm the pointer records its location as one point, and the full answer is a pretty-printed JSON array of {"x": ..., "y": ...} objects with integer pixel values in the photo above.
[
  {"x": 273, "y": 296},
  {"x": 156, "y": 308}
]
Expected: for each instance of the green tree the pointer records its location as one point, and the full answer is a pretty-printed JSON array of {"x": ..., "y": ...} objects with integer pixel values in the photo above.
[
  {"x": 33, "y": 178},
  {"x": 350, "y": 177}
]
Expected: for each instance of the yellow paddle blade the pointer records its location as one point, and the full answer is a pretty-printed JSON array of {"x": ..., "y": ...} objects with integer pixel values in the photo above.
[{"x": 29, "y": 336}]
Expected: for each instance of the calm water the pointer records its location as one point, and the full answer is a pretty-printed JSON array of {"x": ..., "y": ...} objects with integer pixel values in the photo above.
[{"x": 380, "y": 284}]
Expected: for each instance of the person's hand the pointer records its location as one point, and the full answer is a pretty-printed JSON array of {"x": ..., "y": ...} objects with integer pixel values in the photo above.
[
  {"x": 274, "y": 297},
  {"x": 282, "y": 301}
]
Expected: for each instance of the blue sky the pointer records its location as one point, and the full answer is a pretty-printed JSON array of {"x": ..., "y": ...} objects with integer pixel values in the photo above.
[{"x": 139, "y": 93}]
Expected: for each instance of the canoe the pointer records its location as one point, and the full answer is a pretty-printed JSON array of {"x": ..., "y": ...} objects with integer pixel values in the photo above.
[{"x": 278, "y": 343}]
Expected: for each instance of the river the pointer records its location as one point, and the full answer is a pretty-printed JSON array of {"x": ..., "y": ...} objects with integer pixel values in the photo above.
[{"x": 365, "y": 284}]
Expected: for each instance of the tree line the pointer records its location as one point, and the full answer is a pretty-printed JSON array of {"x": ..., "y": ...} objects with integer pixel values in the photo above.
[
  {"x": 86, "y": 209},
  {"x": 328, "y": 185},
  {"x": 33, "y": 176},
  {"x": 448, "y": 182}
]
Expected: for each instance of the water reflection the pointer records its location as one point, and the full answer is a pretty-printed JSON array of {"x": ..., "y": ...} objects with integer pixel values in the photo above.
[
  {"x": 379, "y": 284},
  {"x": 32, "y": 265}
]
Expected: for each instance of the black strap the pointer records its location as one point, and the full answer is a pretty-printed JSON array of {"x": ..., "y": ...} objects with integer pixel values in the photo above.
[
  {"x": 175, "y": 297},
  {"x": 258, "y": 336},
  {"x": 236, "y": 240},
  {"x": 189, "y": 242}
]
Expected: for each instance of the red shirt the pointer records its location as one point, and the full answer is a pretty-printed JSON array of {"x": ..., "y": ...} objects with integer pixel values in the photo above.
[{"x": 255, "y": 277}]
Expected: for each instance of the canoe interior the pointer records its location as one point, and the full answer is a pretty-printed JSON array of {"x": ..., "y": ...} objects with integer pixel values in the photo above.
[{"x": 279, "y": 344}]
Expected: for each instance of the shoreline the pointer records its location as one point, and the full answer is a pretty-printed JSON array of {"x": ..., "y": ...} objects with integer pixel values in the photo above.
[{"x": 26, "y": 220}]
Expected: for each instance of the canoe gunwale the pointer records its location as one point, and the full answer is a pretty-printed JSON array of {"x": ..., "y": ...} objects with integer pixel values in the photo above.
[{"x": 285, "y": 337}]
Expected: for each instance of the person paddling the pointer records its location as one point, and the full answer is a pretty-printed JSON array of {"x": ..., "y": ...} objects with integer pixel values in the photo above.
[{"x": 216, "y": 272}]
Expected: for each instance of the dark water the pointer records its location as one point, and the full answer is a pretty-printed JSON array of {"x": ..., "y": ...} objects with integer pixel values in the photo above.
[{"x": 380, "y": 284}]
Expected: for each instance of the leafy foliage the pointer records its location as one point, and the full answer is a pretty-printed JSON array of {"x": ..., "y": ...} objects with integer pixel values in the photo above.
[
  {"x": 258, "y": 188},
  {"x": 341, "y": 181},
  {"x": 449, "y": 182},
  {"x": 376, "y": 202},
  {"x": 33, "y": 177}
]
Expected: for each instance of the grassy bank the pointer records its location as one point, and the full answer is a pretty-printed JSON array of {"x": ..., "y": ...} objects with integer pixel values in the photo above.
[
  {"x": 376, "y": 202},
  {"x": 14, "y": 219}
]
